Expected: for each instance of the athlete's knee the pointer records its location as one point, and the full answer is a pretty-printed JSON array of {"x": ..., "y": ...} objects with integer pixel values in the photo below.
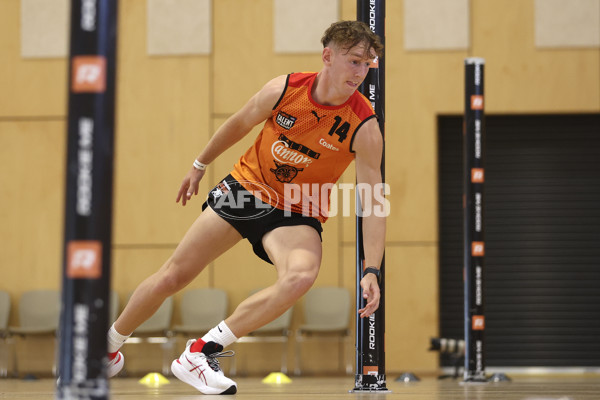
[
  {"x": 172, "y": 278},
  {"x": 299, "y": 277}
]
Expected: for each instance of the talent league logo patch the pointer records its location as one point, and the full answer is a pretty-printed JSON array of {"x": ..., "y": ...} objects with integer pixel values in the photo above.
[
  {"x": 285, "y": 120},
  {"x": 84, "y": 259}
]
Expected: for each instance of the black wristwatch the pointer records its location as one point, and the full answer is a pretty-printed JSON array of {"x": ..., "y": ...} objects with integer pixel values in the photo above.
[{"x": 371, "y": 270}]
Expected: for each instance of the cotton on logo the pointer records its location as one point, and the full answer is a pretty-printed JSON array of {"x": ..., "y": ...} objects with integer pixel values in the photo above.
[
  {"x": 476, "y": 102},
  {"x": 477, "y": 249},
  {"x": 477, "y": 175},
  {"x": 478, "y": 322},
  {"x": 89, "y": 74},
  {"x": 84, "y": 259}
]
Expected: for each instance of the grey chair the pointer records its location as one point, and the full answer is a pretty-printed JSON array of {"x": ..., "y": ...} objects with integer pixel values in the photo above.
[
  {"x": 39, "y": 315},
  {"x": 326, "y": 318},
  {"x": 157, "y": 330},
  {"x": 4, "y": 334},
  {"x": 4, "y": 313},
  {"x": 276, "y": 331},
  {"x": 201, "y": 310}
]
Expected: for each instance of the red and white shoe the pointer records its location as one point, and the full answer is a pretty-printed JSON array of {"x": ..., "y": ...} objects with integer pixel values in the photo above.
[
  {"x": 202, "y": 369},
  {"x": 115, "y": 364}
]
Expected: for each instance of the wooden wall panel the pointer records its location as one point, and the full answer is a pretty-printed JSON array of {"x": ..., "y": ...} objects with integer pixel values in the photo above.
[
  {"x": 348, "y": 9},
  {"x": 236, "y": 57},
  {"x": 411, "y": 306},
  {"x": 253, "y": 61},
  {"x": 45, "y": 28},
  {"x": 521, "y": 78},
  {"x": 28, "y": 87},
  {"x": 298, "y": 29},
  {"x": 180, "y": 27},
  {"x": 32, "y": 202},
  {"x": 162, "y": 125},
  {"x": 572, "y": 23},
  {"x": 436, "y": 24}
]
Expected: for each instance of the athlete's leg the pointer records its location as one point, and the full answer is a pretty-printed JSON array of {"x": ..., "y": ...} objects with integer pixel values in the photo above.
[
  {"x": 208, "y": 237},
  {"x": 296, "y": 253}
]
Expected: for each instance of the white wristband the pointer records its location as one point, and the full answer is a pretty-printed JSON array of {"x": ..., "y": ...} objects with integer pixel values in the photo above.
[{"x": 199, "y": 166}]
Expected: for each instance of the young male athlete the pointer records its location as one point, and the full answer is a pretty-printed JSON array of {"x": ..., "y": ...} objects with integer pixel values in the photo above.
[{"x": 315, "y": 124}]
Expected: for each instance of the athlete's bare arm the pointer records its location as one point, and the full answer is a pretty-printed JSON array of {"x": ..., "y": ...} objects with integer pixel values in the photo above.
[
  {"x": 368, "y": 145},
  {"x": 254, "y": 112}
]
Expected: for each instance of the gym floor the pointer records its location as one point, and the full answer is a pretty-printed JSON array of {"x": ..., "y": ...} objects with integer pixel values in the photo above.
[{"x": 581, "y": 387}]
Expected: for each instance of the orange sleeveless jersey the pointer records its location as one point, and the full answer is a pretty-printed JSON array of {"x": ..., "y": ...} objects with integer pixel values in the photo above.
[{"x": 303, "y": 149}]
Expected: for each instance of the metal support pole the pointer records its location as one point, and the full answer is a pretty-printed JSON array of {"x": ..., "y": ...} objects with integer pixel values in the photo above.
[
  {"x": 88, "y": 206},
  {"x": 370, "y": 333},
  {"x": 474, "y": 243}
]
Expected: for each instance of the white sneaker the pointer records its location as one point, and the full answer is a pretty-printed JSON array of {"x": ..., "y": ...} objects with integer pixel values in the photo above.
[
  {"x": 202, "y": 370},
  {"x": 115, "y": 365}
]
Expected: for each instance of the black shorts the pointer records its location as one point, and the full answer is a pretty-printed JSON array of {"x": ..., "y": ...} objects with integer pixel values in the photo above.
[{"x": 250, "y": 216}]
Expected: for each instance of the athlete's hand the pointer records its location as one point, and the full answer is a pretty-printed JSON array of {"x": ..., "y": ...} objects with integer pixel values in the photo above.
[
  {"x": 371, "y": 293},
  {"x": 190, "y": 185}
]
